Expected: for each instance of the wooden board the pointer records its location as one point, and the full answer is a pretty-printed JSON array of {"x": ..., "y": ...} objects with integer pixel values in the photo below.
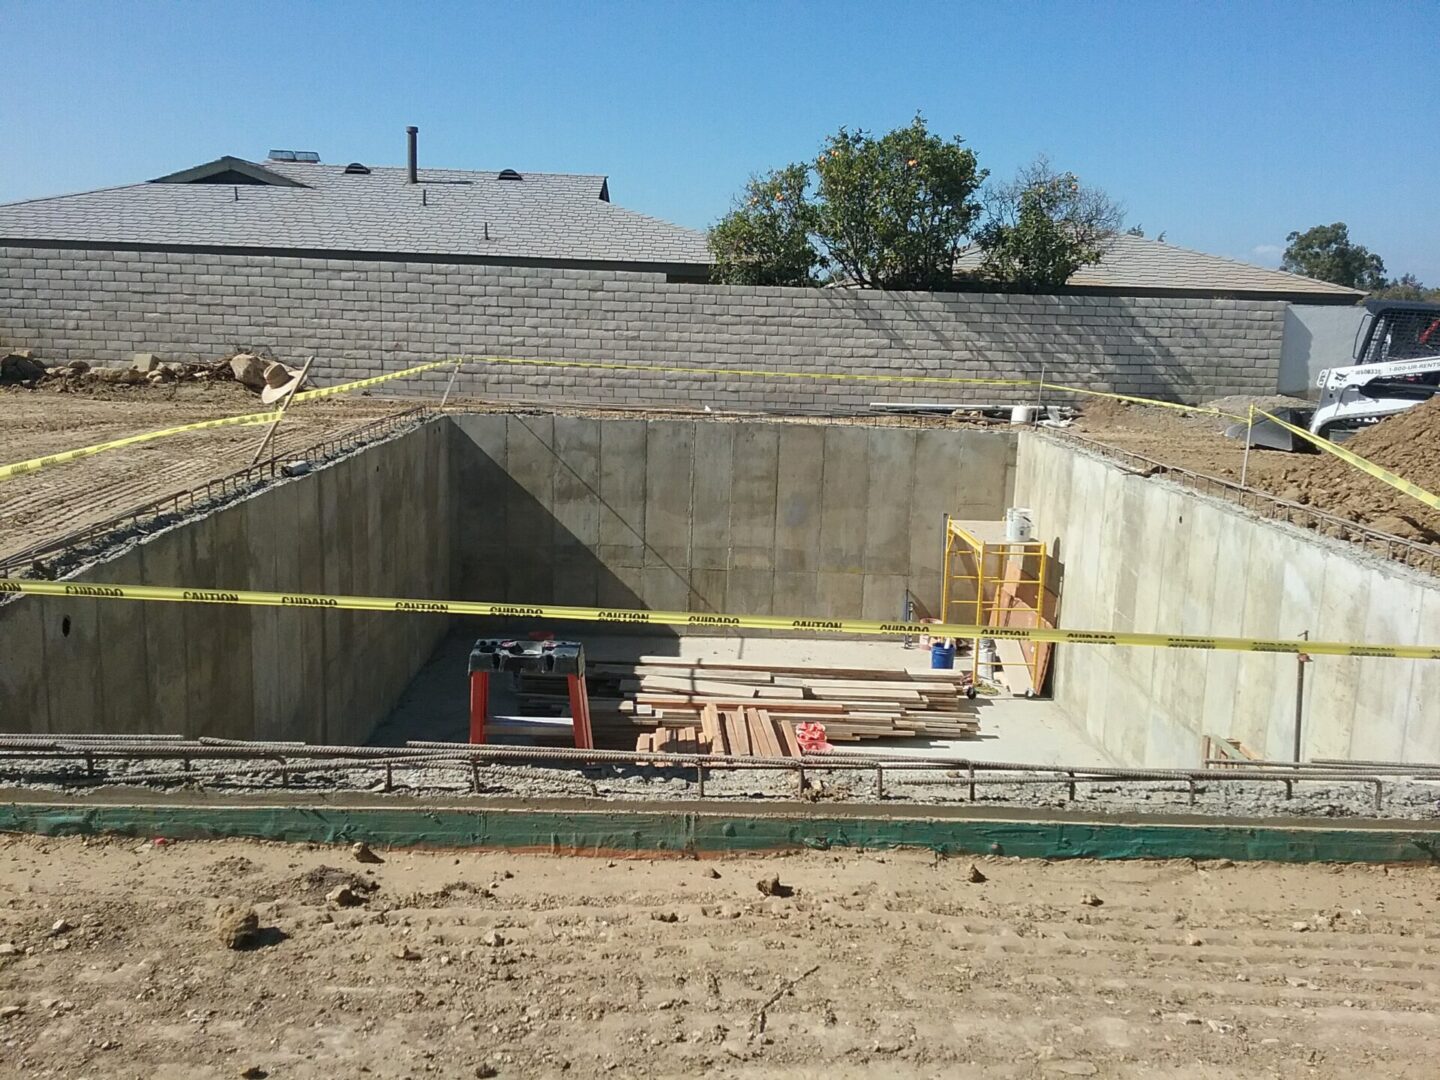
[
  {"x": 1012, "y": 659},
  {"x": 785, "y": 733},
  {"x": 714, "y": 732},
  {"x": 737, "y": 733}
]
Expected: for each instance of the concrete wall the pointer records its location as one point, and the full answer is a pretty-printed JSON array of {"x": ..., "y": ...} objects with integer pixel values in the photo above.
[
  {"x": 375, "y": 523},
  {"x": 362, "y": 317},
  {"x": 1144, "y": 555},
  {"x": 1316, "y": 337},
  {"x": 756, "y": 518}
]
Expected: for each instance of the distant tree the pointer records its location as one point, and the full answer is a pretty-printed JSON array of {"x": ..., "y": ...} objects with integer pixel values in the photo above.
[
  {"x": 765, "y": 238},
  {"x": 893, "y": 212},
  {"x": 1326, "y": 253},
  {"x": 1406, "y": 287},
  {"x": 1137, "y": 230},
  {"x": 1043, "y": 226}
]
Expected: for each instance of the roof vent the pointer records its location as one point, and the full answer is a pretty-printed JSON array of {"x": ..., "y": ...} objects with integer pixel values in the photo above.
[
  {"x": 356, "y": 169},
  {"x": 509, "y": 174},
  {"x": 308, "y": 156}
]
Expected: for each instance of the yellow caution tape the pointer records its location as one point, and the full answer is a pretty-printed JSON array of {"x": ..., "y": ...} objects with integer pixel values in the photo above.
[
  {"x": 1399, "y": 483},
  {"x": 632, "y": 617},
  {"x": 21, "y": 468},
  {"x": 361, "y": 384}
]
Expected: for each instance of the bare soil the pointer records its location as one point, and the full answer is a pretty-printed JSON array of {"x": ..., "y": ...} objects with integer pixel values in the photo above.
[
  {"x": 66, "y": 497},
  {"x": 896, "y": 964},
  {"x": 1407, "y": 444}
]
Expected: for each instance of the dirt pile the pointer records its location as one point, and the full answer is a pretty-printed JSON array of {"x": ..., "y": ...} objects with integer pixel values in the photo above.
[{"x": 1407, "y": 444}]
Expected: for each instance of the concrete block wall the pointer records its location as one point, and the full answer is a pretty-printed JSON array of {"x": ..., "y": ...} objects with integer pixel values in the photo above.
[
  {"x": 363, "y": 317},
  {"x": 376, "y": 523},
  {"x": 748, "y": 517},
  {"x": 1143, "y": 555}
]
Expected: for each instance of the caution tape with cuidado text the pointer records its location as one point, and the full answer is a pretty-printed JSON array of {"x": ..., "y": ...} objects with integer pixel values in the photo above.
[{"x": 705, "y": 619}]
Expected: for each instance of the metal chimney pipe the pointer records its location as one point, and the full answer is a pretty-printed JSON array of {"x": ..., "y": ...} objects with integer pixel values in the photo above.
[{"x": 412, "y": 174}]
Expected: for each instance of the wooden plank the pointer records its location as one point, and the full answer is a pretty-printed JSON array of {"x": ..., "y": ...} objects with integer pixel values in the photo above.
[
  {"x": 666, "y": 701},
  {"x": 737, "y": 734},
  {"x": 784, "y": 734},
  {"x": 1017, "y": 674},
  {"x": 714, "y": 732},
  {"x": 868, "y": 684},
  {"x": 763, "y": 733},
  {"x": 811, "y": 670},
  {"x": 862, "y": 694},
  {"x": 686, "y": 684}
]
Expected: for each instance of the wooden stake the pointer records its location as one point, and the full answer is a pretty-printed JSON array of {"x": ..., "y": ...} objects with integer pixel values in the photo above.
[{"x": 284, "y": 404}]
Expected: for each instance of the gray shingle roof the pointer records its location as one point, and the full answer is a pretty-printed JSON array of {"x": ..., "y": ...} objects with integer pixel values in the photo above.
[
  {"x": 546, "y": 216},
  {"x": 1147, "y": 266}
]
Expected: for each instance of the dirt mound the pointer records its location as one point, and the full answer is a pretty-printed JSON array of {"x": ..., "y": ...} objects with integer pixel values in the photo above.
[
  {"x": 1407, "y": 444},
  {"x": 317, "y": 882}
]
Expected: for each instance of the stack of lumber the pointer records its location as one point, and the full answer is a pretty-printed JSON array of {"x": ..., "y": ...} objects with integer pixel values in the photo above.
[
  {"x": 738, "y": 708},
  {"x": 734, "y": 732}
]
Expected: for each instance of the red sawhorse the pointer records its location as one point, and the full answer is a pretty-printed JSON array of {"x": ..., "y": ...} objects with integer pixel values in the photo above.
[{"x": 492, "y": 656}]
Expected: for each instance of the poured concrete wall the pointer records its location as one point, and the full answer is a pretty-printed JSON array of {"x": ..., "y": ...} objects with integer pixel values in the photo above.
[
  {"x": 375, "y": 523},
  {"x": 1316, "y": 337},
  {"x": 753, "y": 518},
  {"x": 360, "y": 317},
  {"x": 1144, "y": 555}
]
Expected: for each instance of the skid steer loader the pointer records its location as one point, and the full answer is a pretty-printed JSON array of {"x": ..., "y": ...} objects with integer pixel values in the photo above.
[{"x": 1397, "y": 366}]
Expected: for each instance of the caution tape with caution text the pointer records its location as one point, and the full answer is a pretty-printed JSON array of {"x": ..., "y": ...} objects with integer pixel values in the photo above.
[{"x": 624, "y": 616}]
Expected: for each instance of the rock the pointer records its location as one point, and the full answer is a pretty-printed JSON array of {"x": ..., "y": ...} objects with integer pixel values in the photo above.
[
  {"x": 494, "y": 939},
  {"x": 772, "y": 886},
  {"x": 254, "y": 1072},
  {"x": 249, "y": 370},
  {"x": 7, "y": 948},
  {"x": 237, "y": 927},
  {"x": 975, "y": 877},
  {"x": 145, "y": 362},
  {"x": 362, "y": 853},
  {"x": 78, "y": 366},
  {"x": 665, "y": 916},
  {"x": 61, "y": 926},
  {"x": 1300, "y": 927},
  {"x": 1089, "y": 899},
  {"x": 344, "y": 896},
  {"x": 713, "y": 874},
  {"x": 485, "y": 1072},
  {"x": 7, "y": 1011},
  {"x": 404, "y": 952},
  {"x": 122, "y": 375}
]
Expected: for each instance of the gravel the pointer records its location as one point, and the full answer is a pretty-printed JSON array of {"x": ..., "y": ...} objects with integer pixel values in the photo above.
[{"x": 1402, "y": 798}]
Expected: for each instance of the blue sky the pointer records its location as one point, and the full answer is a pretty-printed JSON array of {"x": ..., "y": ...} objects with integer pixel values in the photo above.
[{"x": 1226, "y": 125}]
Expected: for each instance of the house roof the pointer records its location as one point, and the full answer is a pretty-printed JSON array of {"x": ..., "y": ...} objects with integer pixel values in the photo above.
[
  {"x": 232, "y": 203},
  {"x": 1140, "y": 266}
]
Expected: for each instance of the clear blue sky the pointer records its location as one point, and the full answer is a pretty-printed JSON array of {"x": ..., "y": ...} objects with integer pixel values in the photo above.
[{"x": 1224, "y": 124}]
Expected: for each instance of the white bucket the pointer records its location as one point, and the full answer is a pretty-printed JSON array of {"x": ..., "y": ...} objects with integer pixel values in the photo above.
[
  {"x": 1019, "y": 528},
  {"x": 1022, "y": 414}
]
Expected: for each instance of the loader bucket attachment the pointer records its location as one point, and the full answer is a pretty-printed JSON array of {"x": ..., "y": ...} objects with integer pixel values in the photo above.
[{"x": 1270, "y": 435}]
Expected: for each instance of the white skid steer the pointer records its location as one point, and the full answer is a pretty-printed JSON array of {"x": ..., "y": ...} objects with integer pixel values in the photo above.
[{"x": 1398, "y": 366}]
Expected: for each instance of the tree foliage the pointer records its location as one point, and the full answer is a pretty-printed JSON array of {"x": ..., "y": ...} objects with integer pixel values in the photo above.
[
  {"x": 1043, "y": 226},
  {"x": 1326, "y": 253},
  {"x": 893, "y": 212},
  {"x": 765, "y": 238},
  {"x": 1407, "y": 287},
  {"x": 890, "y": 213}
]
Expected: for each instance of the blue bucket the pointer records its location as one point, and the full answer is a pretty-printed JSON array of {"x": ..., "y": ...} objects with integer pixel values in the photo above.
[{"x": 942, "y": 655}]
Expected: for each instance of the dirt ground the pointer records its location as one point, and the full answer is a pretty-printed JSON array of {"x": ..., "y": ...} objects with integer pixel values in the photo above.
[
  {"x": 1408, "y": 444},
  {"x": 885, "y": 964},
  {"x": 65, "y": 497}
]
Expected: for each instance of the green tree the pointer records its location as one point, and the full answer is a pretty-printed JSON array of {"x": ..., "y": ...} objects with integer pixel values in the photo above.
[
  {"x": 1326, "y": 253},
  {"x": 893, "y": 212},
  {"x": 1406, "y": 287},
  {"x": 1043, "y": 226},
  {"x": 765, "y": 238}
]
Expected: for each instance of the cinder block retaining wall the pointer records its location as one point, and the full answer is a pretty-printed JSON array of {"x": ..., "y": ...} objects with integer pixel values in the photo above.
[{"x": 363, "y": 317}]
